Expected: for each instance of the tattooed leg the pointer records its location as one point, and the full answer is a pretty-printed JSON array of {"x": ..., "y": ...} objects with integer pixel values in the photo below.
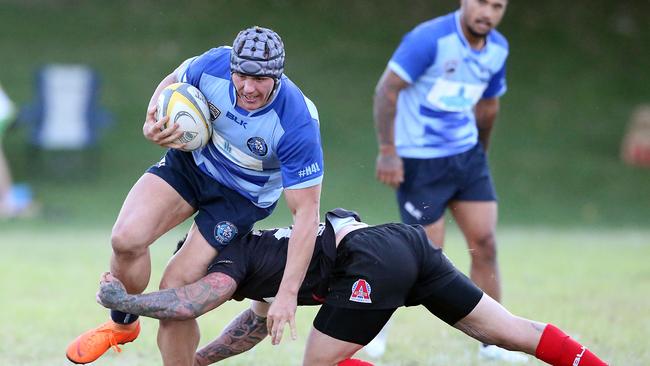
[{"x": 244, "y": 332}]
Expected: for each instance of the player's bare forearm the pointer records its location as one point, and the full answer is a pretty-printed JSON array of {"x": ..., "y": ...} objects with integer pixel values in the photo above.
[
  {"x": 298, "y": 257},
  {"x": 304, "y": 205},
  {"x": 242, "y": 334},
  {"x": 486, "y": 112},
  {"x": 384, "y": 115},
  {"x": 385, "y": 107},
  {"x": 186, "y": 302}
]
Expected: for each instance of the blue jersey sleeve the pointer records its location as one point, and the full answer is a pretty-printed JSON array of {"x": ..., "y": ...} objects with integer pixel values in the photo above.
[
  {"x": 497, "y": 85},
  {"x": 415, "y": 54},
  {"x": 212, "y": 62},
  {"x": 301, "y": 156}
]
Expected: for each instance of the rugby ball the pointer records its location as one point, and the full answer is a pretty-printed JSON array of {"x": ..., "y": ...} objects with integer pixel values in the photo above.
[{"x": 187, "y": 106}]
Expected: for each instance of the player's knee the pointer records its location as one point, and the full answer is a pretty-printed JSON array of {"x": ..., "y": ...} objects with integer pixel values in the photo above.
[
  {"x": 485, "y": 248},
  {"x": 126, "y": 243}
]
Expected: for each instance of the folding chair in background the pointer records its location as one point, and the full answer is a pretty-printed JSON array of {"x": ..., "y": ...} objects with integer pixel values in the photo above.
[{"x": 65, "y": 118}]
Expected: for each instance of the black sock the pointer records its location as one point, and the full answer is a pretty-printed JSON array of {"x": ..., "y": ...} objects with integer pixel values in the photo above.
[{"x": 123, "y": 318}]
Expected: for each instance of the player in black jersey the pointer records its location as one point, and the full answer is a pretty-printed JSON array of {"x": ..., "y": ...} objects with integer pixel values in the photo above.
[{"x": 360, "y": 274}]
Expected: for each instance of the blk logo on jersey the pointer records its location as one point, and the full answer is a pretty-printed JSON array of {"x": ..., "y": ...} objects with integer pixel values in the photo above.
[
  {"x": 236, "y": 120},
  {"x": 257, "y": 146},
  {"x": 361, "y": 292},
  {"x": 225, "y": 231}
]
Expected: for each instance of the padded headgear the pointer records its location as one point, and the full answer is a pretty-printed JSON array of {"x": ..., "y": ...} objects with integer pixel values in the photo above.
[{"x": 258, "y": 51}]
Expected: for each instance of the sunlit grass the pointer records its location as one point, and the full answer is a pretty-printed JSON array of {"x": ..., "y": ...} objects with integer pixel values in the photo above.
[{"x": 595, "y": 285}]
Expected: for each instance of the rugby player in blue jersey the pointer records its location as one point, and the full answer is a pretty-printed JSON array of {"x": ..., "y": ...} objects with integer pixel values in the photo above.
[
  {"x": 265, "y": 141},
  {"x": 434, "y": 108},
  {"x": 360, "y": 274}
]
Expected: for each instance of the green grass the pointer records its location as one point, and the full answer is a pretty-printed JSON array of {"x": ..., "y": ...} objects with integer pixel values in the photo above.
[{"x": 593, "y": 284}]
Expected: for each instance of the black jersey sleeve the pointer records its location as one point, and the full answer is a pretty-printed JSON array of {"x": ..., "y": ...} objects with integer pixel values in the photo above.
[{"x": 232, "y": 261}]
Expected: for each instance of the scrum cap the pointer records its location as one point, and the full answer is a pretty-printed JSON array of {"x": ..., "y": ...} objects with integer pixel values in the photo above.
[{"x": 258, "y": 51}]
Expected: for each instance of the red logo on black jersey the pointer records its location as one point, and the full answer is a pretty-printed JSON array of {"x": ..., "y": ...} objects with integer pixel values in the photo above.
[{"x": 361, "y": 292}]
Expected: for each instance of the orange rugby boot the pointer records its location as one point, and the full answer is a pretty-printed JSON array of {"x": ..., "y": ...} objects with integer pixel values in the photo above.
[{"x": 90, "y": 345}]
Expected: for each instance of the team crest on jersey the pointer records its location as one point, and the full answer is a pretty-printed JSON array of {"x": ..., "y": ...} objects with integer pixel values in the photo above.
[
  {"x": 257, "y": 146},
  {"x": 361, "y": 292},
  {"x": 214, "y": 111},
  {"x": 225, "y": 231},
  {"x": 450, "y": 66}
]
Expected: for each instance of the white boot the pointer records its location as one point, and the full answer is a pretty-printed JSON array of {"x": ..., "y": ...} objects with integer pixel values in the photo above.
[
  {"x": 495, "y": 353},
  {"x": 377, "y": 346}
]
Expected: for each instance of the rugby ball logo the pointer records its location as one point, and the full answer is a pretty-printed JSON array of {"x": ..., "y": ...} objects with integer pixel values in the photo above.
[{"x": 187, "y": 106}]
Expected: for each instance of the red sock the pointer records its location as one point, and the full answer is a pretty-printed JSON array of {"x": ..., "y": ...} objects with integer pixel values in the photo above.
[
  {"x": 354, "y": 362},
  {"x": 558, "y": 349}
]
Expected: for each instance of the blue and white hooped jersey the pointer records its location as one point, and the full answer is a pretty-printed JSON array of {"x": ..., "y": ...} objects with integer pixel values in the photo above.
[
  {"x": 435, "y": 114},
  {"x": 256, "y": 153}
]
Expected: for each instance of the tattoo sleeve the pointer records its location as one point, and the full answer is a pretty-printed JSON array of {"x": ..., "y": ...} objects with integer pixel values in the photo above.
[
  {"x": 384, "y": 107},
  {"x": 242, "y": 334},
  {"x": 186, "y": 302}
]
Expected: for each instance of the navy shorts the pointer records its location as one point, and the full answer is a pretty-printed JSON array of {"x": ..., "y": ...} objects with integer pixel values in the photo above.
[
  {"x": 430, "y": 184},
  {"x": 223, "y": 214}
]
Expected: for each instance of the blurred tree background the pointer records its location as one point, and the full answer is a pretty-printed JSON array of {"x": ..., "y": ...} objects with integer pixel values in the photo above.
[{"x": 576, "y": 70}]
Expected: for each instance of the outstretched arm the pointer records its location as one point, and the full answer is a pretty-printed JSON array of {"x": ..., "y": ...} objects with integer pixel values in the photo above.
[
  {"x": 182, "y": 303},
  {"x": 242, "y": 334},
  {"x": 303, "y": 204}
]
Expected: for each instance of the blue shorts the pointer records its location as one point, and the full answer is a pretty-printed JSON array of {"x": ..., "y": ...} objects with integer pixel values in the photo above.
[
  {"x": 430, "y": 184},
  {"x": 223, "y": 215}
]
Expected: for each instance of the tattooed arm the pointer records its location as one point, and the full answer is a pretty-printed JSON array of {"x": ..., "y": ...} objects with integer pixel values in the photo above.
[
  {"x": 242, "y": 334},
  {"x": 182, "y": 303}
]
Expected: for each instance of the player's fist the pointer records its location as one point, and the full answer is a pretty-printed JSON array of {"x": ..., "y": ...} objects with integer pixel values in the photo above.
[
  {"x": 111, "y": 291},
  {"x": 390, "y": 169}
]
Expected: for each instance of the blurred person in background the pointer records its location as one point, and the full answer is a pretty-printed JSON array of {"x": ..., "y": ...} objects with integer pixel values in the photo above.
[
  {"x": 15, "y": 199},
  {"x": 434, "y": 108},
  {"x": 360, "y": 274},
  {"x": 265, "y": 142}
]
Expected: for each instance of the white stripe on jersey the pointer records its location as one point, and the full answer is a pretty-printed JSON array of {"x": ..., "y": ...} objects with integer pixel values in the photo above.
[
  {"x": 311, "y": 107},
  {"x": 235, "y": 155}
]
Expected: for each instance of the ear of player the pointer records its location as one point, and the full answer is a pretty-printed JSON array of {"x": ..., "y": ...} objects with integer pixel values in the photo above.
[{"x": 187, "y": 106}]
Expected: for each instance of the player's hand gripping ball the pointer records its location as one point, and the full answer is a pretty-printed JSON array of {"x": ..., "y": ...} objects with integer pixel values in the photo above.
[{"x": 187, "y": 106}]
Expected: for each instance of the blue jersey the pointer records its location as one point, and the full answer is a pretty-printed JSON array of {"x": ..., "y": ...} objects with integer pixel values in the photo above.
[
  {"x": 435, "y": 115},
  {"x": 256, "y": 153}
]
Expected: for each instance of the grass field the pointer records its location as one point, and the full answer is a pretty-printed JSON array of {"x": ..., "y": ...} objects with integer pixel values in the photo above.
[
  {"x": 574, "y": 235},
  {"x": 594, "y": 284}
]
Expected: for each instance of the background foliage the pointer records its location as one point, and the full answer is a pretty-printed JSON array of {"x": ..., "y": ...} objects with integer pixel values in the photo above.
[{"x": 574, "y": 77}]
